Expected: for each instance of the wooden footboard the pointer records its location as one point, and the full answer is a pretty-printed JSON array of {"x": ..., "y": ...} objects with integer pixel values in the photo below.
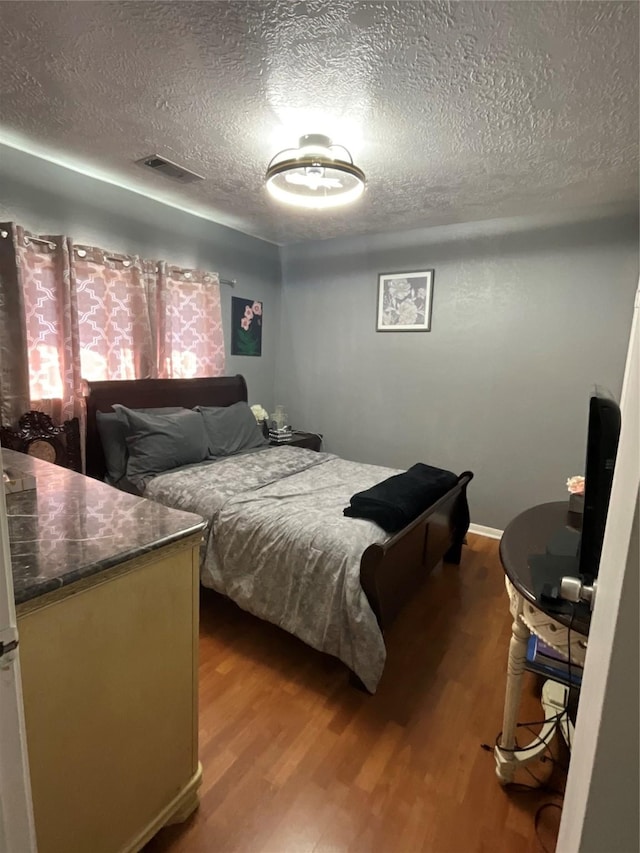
[{"x": 391, "y": 572}]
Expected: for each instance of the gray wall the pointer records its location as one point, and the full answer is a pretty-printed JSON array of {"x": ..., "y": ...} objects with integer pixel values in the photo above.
[
  {"x": 47, "y": 198},
  {"x": 525, "y": 319}
]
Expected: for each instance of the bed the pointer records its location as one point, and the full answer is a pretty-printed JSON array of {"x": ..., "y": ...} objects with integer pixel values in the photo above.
[{"x": 277, "y": 542}]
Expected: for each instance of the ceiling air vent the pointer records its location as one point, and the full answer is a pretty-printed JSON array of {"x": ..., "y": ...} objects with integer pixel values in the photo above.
[{"x": 170, "y": 170}]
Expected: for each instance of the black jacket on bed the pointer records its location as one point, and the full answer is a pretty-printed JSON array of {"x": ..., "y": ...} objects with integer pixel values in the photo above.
[{"x": 400, "y": 499}]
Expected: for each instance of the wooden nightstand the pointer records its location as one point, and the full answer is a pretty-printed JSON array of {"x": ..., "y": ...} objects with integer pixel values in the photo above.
[{"x": 304, "y": 439}]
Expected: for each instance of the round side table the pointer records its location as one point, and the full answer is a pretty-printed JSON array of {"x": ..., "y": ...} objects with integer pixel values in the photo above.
[{"x": 528, "y": 534}]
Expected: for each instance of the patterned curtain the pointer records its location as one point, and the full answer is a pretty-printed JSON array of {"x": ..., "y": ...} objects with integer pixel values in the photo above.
[
  {"x": 71, "y": 312},
  {"x": 189, "y": 323},
  {"x": 114, "y": 327},
  {"x": 14, "y": 359},
  {"x": 49, "y": 312}
]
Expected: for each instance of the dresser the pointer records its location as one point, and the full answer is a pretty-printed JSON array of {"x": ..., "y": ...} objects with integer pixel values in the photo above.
[{"x": 106, "y": 588}]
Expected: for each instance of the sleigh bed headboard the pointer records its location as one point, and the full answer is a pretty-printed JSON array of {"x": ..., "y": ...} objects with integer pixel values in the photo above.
[{"x": 151, "y": 394}]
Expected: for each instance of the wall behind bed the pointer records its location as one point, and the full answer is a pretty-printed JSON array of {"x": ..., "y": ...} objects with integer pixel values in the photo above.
[
  {"x": 48, "y": 198},
  {"x": 526, "y": 317}
]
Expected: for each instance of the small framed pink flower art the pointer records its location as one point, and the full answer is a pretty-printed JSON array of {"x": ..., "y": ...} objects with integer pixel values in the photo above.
[
  {"x": 246, "y": 326},
  {"x": 404, "y": 301}
]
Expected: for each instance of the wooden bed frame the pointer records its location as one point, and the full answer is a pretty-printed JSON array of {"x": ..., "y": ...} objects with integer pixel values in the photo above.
[{"x": 390, "y": 573}]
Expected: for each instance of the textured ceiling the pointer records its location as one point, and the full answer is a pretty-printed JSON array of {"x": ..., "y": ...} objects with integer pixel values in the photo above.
[{"x": 456, "y": 111}]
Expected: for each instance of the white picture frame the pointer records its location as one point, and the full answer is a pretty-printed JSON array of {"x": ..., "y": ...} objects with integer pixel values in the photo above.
[{"x": 404, "y": 301}]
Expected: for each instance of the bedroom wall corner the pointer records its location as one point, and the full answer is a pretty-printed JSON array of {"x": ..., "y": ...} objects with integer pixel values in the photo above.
[{"x": 527, "y": 315}]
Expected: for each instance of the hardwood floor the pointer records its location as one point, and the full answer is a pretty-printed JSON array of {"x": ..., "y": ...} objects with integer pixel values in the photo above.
[{"x": 297, "y": 761}]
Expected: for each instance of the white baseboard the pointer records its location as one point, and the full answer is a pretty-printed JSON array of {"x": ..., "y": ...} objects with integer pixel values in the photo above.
[{"x": 489, "y": 532}]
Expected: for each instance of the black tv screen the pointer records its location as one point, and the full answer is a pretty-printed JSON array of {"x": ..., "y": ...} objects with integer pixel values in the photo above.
[{"x": 602, "y": 447}]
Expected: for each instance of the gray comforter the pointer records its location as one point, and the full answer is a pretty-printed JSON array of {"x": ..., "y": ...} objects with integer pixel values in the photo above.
[{"x": 279, "y": 545}]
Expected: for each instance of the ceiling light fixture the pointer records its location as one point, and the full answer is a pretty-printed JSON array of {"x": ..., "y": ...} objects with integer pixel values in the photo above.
[{"x": 314, "y": 175}]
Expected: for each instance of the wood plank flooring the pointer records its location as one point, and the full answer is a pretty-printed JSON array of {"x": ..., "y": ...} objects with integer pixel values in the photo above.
[{"x": 297, "y": 761}]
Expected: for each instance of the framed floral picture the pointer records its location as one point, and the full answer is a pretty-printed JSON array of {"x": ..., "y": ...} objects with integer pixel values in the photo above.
[
  {"x": 246, "y": 326},
  {"x": 404, "y": 301}
]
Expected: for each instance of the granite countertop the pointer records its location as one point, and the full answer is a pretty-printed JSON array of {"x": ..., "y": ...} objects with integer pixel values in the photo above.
[{"x": 71, "y": 527}]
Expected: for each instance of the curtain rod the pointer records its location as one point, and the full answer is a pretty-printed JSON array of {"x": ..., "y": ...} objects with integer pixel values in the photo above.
[
  {"x": 29, "y": 239},
  {"x": 230, "y": 282}
]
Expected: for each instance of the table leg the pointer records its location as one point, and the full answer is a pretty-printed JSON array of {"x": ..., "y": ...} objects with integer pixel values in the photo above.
[{"x": 505, "y": 760}]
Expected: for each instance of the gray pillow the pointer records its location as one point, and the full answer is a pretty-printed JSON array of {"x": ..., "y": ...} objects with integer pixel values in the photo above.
[
  {"x": 113, "y": 439},
  {"x": 158, "y": 443},
  {"x": 231, "y": 429}
]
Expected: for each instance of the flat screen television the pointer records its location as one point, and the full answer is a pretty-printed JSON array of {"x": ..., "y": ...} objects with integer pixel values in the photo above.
[{"x": 602, "y": 447}]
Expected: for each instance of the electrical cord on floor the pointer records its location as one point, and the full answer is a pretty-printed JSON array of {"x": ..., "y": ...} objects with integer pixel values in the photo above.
[
  {"x": 521, "y": 787},
  {"x": 536, "y": 821},
  {"x": 541, "y": 785},
  {"x": 545, "y": 740},
  {"x": 550, "y": 757}
]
